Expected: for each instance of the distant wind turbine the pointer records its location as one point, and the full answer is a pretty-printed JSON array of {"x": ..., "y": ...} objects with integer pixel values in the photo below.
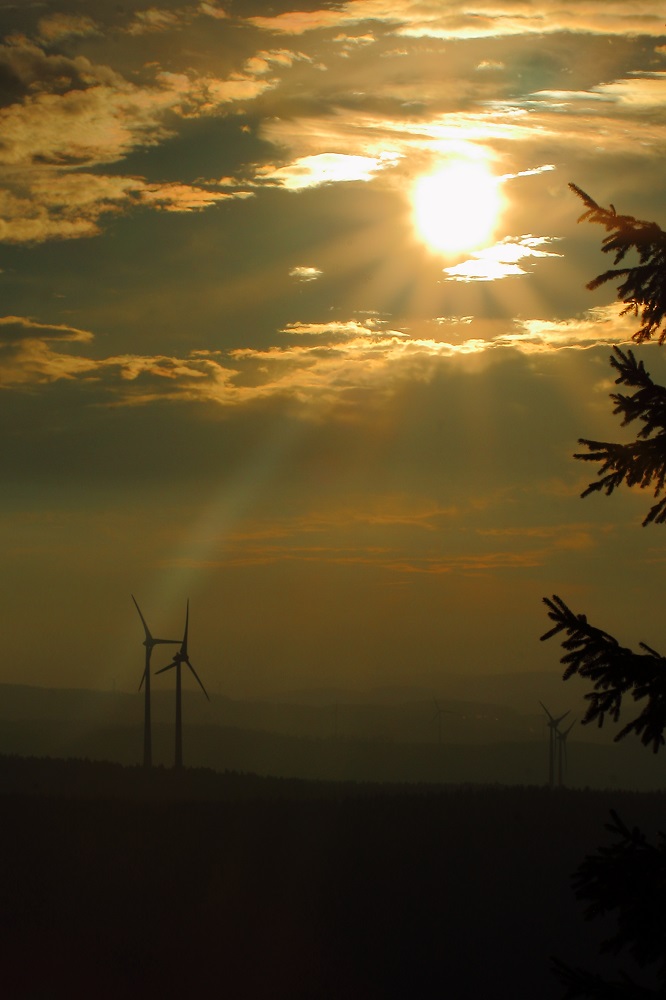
[
  {"x": 149, "y": 642},
  {"x": 181, "y": 657},
  {"x": 561, "y": 736},
  {"x": 552, "y": 724}
]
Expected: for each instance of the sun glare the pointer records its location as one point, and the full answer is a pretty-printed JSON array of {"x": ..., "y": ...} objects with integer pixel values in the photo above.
[{"x": 456, "y": 208}]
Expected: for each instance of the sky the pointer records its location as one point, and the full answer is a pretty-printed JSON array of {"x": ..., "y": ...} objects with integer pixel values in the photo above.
[{"x": 293, "y": 323}]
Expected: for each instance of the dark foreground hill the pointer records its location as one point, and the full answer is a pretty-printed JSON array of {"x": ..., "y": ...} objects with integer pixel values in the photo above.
[{"x": 118, "y": 883}]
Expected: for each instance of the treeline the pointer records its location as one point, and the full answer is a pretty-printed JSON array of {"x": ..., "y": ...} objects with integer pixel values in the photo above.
[{"x": 119, "y": 882}]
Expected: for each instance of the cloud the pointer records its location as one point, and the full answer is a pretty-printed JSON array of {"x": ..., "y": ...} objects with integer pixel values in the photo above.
[
  {"x": 324, "y": 168},
  {"x": 212, "y": 10},
  {"x": 55, "y": 27},
  {"x": 360, "y": 145},
  {"x": 500, "y": 260},
  {"x": 27, "y": 69},
  {"x": 266, "y": 59},
  {"x": 352, "y": 43},
  {"x": 33, "y": 353},
  {"x": 348, "y": 328},
  {"x": 305, "y": 273},
  {"x": 641, "y": 90},
  {"x": 14, "y": 329},
  {"x": 602, "y": 325},
  {"x": 485, "y": 18},
  {"x": 71, "y": 205},
  {"x": 99, "y": 119},
  {"x": 27, "y": 354},
  {"x": 490, "y": 64},
  {"x": 299, "y": 22},
  {"x": 334, "y": 366},
  {"x": 157, "y": 19}
]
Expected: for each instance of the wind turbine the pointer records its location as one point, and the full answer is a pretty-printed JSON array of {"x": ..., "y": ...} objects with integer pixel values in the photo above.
[
  {"x": 149, "y": 642},
  {"x": 552, "y": 724},
  {"x": 181, "y": 657},
  {"x": 561, "y": 736}
]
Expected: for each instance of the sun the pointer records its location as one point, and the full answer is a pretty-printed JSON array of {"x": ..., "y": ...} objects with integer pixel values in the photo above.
[{"x": 457, "y": 207}]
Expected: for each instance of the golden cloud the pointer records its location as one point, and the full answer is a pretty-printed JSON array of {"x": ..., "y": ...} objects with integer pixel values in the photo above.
[
  {"x": 99, "y": 121},
  {"x": 484, "y": 18},
  {"x": 345, "y": 362},
  {"x": 305, "y": 273},
  {"x": 68, "y": 206}
]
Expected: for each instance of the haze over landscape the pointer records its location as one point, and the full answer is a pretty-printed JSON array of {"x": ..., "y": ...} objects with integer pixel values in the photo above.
[{"x": 294, "y": 324}]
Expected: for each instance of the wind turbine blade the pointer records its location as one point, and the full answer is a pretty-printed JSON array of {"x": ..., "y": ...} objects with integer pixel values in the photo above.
[
  {"x": 546, "y": 711},
  {"x": 143, "y": 677},
  {"x": 168, "y": 667},
  {"x": 143, "y": 620},
  {"x": 173, "y": 642},
  {"x": 198, "y": 678},
  {"x": 183, "y": 645}
]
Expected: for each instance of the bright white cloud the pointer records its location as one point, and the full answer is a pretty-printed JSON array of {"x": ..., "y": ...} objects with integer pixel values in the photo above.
[
  {"x": 325, "y": 168},
  {"x": 305, "y": 273},
  {"x": 500, "y": 260}
]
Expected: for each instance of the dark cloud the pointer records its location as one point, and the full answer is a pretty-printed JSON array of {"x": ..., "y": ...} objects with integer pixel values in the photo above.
[{"x": 25, "y": 68}]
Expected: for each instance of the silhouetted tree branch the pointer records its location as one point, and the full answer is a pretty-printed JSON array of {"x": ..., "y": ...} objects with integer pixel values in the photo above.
[
  {"x": 627, "y": 879},
  {"x": 614, "y": 671},
  {"x": 643, "y": 287},
  {"x": 641, "y": 462},
  {"x": 580, "y": 983}
]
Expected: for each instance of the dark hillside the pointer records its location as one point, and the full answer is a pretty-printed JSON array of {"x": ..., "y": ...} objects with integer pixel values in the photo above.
[{"x": 204, "y": 884}]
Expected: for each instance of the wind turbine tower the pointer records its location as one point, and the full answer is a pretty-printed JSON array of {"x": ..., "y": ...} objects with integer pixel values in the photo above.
[
  {"x": 149, "y": 642},
  {"x": 552, "y": 724},
  {"x": 561, "y": 736},
  {"x": 181, "y": 657}
]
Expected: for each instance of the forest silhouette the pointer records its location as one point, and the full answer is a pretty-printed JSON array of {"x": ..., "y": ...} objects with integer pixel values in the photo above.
[{"x": 135, "y": 883}]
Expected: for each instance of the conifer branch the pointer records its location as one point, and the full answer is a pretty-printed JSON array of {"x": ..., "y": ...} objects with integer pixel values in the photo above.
[
  {"x": 643, "y": 287},
  {"x": 615, "y": 671},
  {"x": 641, "y": 462},
  {"x": 580, "y": 983},
  {"x": 627, "y": 878}
]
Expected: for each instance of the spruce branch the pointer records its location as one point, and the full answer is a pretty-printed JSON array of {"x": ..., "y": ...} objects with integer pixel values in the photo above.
[
  {"x": 615, "y": 671},
  {"x": 580, "y": 983},
  {"x": 627, "y": 878},
  {"x": 641, "y": 462},
  {"x": 643, "y": 287}
]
